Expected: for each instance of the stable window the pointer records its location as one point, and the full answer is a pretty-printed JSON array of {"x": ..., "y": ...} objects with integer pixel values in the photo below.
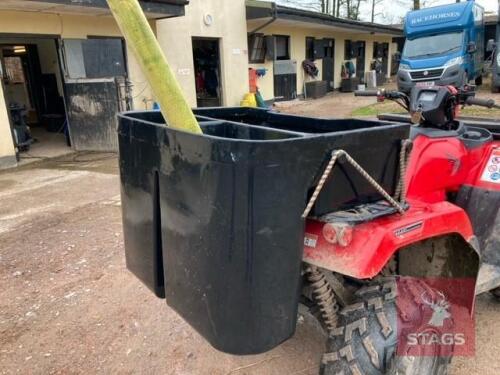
[
  {"x": 282, "y": 47},
  {"x": 94, "y": 58},
  {"x": 309, "y": 48},
  {"x": 256, "y": 48},
  {"x": 329, "y": 47}
]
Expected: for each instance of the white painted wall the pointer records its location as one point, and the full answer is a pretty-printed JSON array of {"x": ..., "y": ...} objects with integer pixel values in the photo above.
[
  {"x": 228, "y": 25},
  {"x": 298, "y": 36},
  {"x": 7, "y": 152}
]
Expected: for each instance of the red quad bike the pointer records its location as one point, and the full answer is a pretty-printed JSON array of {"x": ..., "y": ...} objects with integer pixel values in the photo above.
[
  {"x": 452, "y": 194},
  {"x": 267, "y": 215}
]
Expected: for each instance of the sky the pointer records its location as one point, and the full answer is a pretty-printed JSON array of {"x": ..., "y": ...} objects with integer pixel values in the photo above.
[
  {"x": 397, "y": 11},
  {"x": 398, "y": 8}
]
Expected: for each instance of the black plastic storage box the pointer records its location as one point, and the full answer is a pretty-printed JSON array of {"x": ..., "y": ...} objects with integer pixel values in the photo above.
[
  {"x": 316, "y": 89},
  {"x": 213, "y": 222}
]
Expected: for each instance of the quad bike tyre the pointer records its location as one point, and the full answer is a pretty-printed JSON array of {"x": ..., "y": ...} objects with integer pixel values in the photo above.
[{"x": 364, "y": 342}]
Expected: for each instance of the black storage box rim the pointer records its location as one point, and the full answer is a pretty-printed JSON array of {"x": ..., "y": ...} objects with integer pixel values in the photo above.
[
  {"x": 214, "y": 224},
  {"x": 209, "y": 121},
  {"x": 294, "y": 135}
]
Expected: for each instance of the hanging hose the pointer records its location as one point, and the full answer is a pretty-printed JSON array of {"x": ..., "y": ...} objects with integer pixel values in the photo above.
[{"x": 323, "y": 296}]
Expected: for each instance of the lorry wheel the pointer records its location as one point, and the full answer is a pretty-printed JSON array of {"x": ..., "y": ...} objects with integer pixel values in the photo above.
[{"x": 365, "y": 339}]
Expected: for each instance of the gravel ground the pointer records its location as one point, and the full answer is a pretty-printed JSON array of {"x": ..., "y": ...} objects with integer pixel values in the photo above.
[{"x": 69, "y": 306}]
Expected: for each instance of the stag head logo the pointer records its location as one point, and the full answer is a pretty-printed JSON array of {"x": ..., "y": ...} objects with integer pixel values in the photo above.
[{"x": 440, "y": 308}]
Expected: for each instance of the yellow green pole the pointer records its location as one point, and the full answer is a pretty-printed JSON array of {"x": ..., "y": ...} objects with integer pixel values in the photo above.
[{"x": 141, "y": 39}]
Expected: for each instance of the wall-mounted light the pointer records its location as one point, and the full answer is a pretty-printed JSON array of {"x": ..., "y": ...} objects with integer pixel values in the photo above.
[
  {"x": 19, "y": 49},
  {"x": 208, "y": 19}
]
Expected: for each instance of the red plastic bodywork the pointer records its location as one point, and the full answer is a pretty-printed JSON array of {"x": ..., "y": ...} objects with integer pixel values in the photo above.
[{"x": 437, "y": 167}]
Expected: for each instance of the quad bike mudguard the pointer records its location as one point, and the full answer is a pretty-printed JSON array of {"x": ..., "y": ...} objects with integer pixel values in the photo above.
[
  {"x": 213, "y": 222},
  {"x": 478, "y": 188},
  {"x": 375, "y": 242}
]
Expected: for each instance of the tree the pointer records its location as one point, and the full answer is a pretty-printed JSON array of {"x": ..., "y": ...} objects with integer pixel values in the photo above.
[
  {"x": 352, "y": 8},
  {"x": 314, "y": 5},
  {"x": 374, "y": 5},
  {"x": 331, "y": 7}
]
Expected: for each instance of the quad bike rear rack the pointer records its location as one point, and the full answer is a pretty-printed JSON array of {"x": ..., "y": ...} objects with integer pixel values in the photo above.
[{"x": 489, "y": 124}]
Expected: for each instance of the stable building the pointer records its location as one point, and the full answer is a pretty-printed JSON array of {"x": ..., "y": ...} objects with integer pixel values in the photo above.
[
  {"x": 212, "y": 47},
  {"x": 66, "y": 72},
  {"x": 207, "y": 49},
  {"x": 281, "y": 38}
]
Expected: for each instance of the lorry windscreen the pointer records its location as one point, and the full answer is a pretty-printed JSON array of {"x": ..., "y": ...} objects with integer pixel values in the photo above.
[{"x": 433, "y": 45}]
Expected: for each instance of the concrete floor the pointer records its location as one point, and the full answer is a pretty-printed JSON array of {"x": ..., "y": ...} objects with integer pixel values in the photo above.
[{"x": 47, "y": 145}]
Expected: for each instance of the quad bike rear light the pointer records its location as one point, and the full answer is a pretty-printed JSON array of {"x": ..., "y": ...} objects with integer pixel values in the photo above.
[{"x": 338, "y": 233}]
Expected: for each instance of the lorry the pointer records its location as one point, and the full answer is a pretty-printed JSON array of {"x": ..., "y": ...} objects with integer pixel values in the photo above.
[{"x": 444, "y": 46}]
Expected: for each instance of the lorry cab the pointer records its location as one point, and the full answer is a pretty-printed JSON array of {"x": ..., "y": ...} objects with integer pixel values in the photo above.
[{"x": 444, "y": 46}]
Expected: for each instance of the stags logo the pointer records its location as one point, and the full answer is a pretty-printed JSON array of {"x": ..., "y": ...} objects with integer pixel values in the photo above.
[
  {"x": 435, "y": 316},
  {"x": 440, "y": 309}
]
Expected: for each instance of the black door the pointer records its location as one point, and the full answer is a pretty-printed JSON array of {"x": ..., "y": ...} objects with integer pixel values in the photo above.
[
  {"x": 385, "y": 58},
  {"x": 92, "y": 70},
  {"x": 285, "y": 86},
  {"x": 206, "y": 59},
  {"x": 328, "y": 63},
  {"x": 285, "y": 69},
  {"x": 360, "y": 60},
  {"x": 91, "y": 112}
]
